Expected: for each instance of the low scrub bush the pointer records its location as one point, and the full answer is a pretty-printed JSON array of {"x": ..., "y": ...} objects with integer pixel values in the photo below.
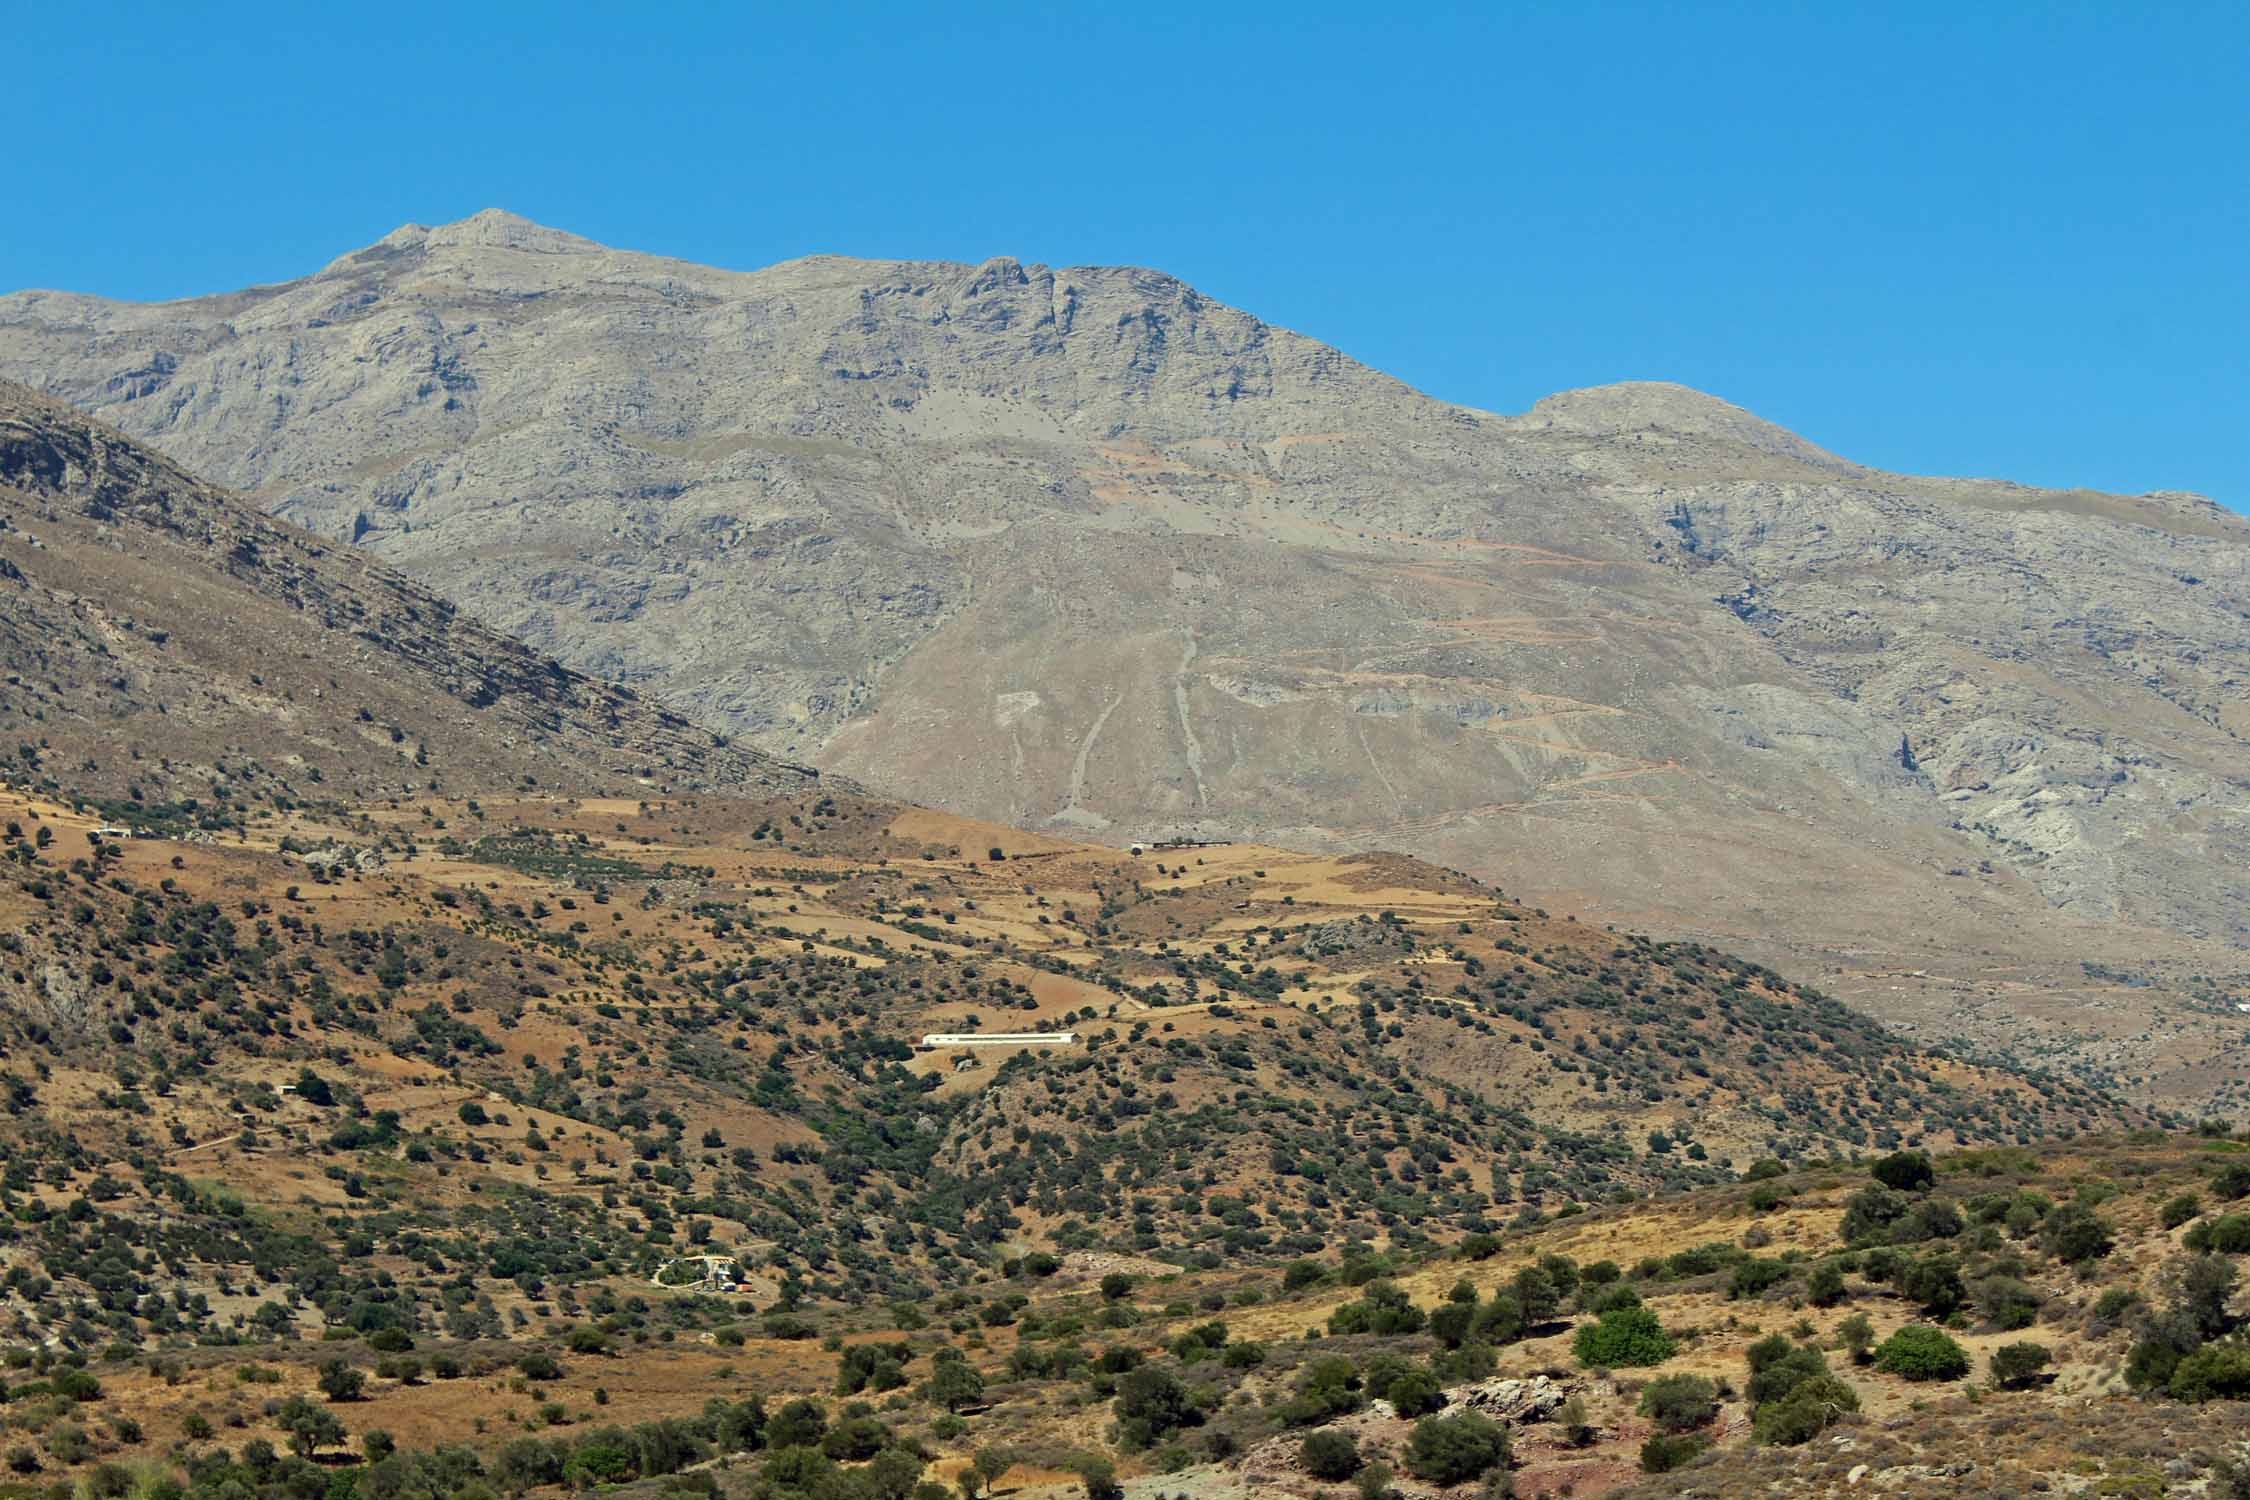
[
  {"x": 1920, "y": 1352},
  {"x": 1624, "y": 1338}
]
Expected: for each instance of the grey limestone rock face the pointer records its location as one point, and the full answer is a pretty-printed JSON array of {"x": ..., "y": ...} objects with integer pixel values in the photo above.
[{"x": 1079, "y": 548}]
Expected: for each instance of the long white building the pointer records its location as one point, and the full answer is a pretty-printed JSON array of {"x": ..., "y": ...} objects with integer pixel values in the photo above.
[{"x": 937, "y": 1039}]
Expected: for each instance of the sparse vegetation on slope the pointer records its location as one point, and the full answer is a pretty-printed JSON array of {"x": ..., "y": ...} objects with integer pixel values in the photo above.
[{"x": 428, "y": 1144}]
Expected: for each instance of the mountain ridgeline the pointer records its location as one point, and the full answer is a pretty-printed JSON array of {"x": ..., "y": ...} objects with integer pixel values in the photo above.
[
  {"x": 172, "y": 651},
  {"x": 1081, "y": 550}
]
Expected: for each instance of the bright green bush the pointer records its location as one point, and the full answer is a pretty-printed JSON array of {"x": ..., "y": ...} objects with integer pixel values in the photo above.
[
  {"x": 2228, "y": 1234},
  {"x": 1624, "y": 1338},
  {"x": 1920, "y": 1352},
  {"x": 2215, "y": 1372}
]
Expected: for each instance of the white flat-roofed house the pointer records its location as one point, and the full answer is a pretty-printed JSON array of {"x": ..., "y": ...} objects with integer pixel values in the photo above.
[{"x": 937, "y": 1039}]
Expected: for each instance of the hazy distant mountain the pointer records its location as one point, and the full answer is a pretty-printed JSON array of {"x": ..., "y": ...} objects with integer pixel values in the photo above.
[{"x": 1082, "y": 550}]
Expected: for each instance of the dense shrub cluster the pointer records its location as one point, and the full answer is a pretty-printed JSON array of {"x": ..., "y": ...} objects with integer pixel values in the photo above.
[{"x": 1793, "y": 1397}]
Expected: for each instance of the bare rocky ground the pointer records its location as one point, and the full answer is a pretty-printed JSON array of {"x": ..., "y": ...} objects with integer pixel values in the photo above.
[
  {"x": 1080, "y": 549},
  {"x": 160, "y": 641}
]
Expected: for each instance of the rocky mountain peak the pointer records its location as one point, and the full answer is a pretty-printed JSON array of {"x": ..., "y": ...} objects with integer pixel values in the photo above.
[
  {"x": 1629, "y": 407},
  {"x": 497, "y": 229},
  {"x": 487, "y": 230},
  {"x": 998, "y": 272}
]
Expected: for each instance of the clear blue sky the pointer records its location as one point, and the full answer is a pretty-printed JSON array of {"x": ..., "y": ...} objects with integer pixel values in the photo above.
[{"x": 1975, "y": 239}]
